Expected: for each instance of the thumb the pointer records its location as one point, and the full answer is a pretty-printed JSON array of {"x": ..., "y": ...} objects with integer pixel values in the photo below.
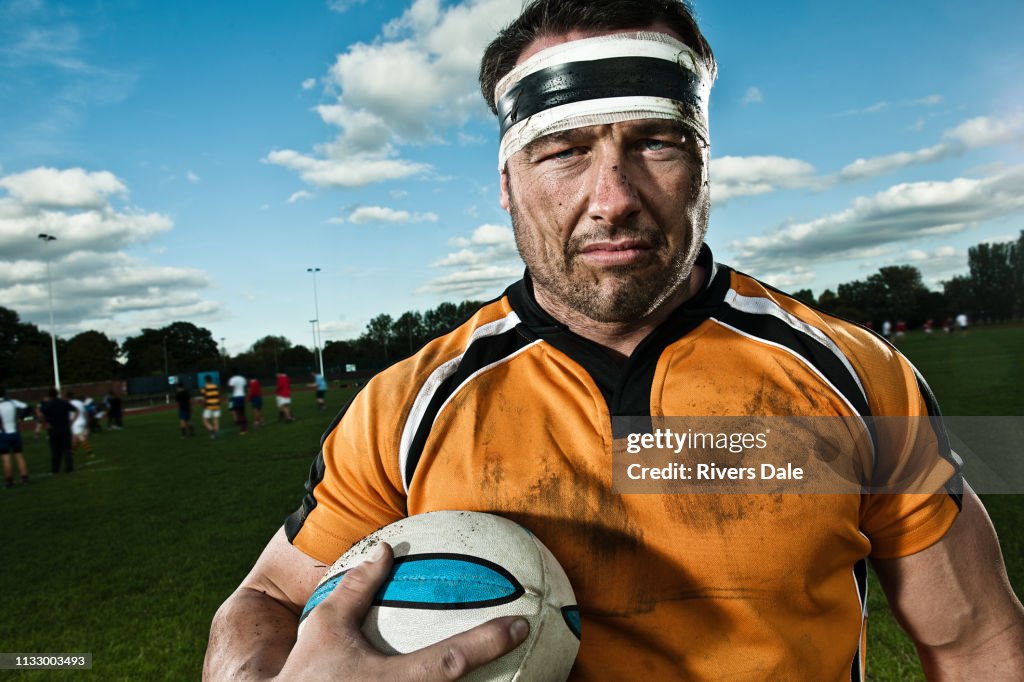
[{"x": 345, "y": 608}]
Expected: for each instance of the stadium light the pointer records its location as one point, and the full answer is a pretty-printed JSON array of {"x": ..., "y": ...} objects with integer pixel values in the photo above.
[
  {"x": 316, "y": 323},
  {"x": 46, "y": 239}
]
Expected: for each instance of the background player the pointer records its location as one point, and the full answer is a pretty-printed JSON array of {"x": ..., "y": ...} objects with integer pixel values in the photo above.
[{"x": 10, "y": 438}]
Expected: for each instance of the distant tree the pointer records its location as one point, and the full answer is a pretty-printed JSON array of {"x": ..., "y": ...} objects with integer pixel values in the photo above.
[
  {"x": 9, "y": 324},
  {"x": 188, "y": 349},
  {"x": 408, "y": 332},
  {"x": 33, "y": 366},
  {"x": 267, "y": 351},
  {"x": 25, "y": 352},
  {"x": 337, "y": 354},
  {"x": 441, "y": 319},
  {"x": 959, "y": 295},
  {"x": 902, "y": 291},
  {"x": 993, "y": 279},
  {"x": 297, "y": 360},
  {"x": 858, "y": 301},
  {"x": 805, "y": 295},
  {"x": 1018, "y": 274},
  {"x": 893, "y": 293},
  {"x": 828, "y": 300},
  {"x": 465, "y": 309},
  {"x": 90, "y": 356},
  {"x": 379, "y": 332}
]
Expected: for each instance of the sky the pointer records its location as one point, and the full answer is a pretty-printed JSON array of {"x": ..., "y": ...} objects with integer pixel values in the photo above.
[{"x": 195, "y": 159}]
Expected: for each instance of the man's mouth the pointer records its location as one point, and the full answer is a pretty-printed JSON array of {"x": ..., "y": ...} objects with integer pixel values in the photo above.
[{"x": 621, "y": 252}]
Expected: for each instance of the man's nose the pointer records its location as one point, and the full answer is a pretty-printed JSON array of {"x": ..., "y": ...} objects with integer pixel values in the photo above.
[{"x": 613, "y": 196}]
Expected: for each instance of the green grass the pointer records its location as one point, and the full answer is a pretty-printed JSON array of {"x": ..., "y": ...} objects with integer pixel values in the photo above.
[
  {"x": 977, "y": 374},
  {"x": 129, "y": 557}
]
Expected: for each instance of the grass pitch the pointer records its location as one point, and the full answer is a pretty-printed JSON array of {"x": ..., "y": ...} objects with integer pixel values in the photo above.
[{"x": 129, "y": 557}]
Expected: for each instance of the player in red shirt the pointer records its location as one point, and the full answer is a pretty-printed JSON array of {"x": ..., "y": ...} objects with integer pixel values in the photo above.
[
  {"x": 256, "y": 400},
  {"x": 284, "y": 398}
]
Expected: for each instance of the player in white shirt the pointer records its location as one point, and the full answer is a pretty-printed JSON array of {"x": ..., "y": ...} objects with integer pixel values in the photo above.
[
  {"x": 80, "y": 427},
  {"x": 10, "y": 439},
  {"x": 237, "y": 384}
]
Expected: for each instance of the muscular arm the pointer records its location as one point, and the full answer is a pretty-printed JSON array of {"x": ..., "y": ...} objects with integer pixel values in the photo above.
[
  {"x": 955, "y": 601},
  {"x": 254, "y": 630}
]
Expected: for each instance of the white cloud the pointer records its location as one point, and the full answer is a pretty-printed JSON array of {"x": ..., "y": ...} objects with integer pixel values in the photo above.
[
  {"x": 929, "y": 101},
  {"x": 901, "y": 213},
  {"x": 487, "y": 235},
  {"x": 309, "y": 84},
  {"x": 487, "y": 261},
  {"x": 70, "y": 188},
  {"x": 1001, "y": 239},
  {"x": 982, "y": 131},
  {"x": 936, "y": 266},
  {"x": 866, "y": 168},
  {"x": 343, "y": 5},
  {"x": 873, "y": 109},
  {"x": 383, "y": 214},
  {"x": 473, "y": 282},
  {"x": 95, "y": 284},
  {"x": 351, "y": 171},
  {"x": 752, "y": 96},
  {"x": 192, "y": 177},
  {"x": 409, "y": 86},
  {"x": 797, "y": 277},
  {"x": 299, "y": 196},
  {"x": 735, "y": 176},
  {"x": 335, "y": 330},
  {"x": 986, "y": 131}
]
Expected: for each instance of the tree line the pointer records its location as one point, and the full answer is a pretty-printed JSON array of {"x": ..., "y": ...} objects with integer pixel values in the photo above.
[
  {"x": 184, "y": 348},
  {"x": 991, "y": 292}
]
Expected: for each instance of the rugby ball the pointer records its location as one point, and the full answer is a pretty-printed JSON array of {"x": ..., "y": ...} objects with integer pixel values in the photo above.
[{"x": 454, "y": 570}]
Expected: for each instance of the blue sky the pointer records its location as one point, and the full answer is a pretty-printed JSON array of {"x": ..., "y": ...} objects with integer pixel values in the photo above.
[{"x": 194, "y": 158}]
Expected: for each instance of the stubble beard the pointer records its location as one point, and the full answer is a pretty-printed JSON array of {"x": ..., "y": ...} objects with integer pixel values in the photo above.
[{"x": 616, "y": 294}]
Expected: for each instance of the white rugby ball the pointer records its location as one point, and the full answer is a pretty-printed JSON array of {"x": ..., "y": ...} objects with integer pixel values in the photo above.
[{"x": 457, "y": 569}]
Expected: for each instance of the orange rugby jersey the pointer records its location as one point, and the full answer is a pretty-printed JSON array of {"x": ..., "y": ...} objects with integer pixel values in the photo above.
[{"x": 510, "y": 413}]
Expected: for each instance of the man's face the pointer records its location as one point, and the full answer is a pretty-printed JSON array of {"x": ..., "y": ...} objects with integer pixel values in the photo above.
[{"x": 609, "y": 218}]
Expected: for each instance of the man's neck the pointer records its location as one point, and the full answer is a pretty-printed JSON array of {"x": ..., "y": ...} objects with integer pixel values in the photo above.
[{"x": 621, "y": 338}]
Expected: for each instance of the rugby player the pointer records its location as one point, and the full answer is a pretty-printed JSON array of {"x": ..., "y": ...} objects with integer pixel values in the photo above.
[{"x": 603, "y": 162}]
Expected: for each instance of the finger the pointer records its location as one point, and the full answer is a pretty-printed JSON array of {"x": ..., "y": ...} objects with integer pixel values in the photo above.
[
  {"x": 459, "y": 655},
  {"x": 351, "y": 600}
]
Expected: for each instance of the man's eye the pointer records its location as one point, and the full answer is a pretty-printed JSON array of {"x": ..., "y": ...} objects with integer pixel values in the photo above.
[
  {"x": 655, "y": 145},
  {"x": 563, "y": 155}
]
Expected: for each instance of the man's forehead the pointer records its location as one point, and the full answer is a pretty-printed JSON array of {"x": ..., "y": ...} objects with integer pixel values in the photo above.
[
  {"x": 550, "y": 40},
  {"x": 632, "y": 128}
]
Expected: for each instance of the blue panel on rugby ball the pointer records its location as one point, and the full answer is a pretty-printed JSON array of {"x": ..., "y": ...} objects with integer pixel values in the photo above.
[
  {"x": 437, "y": 581},
  {"x": 454, "y": 570},
  {"x": 447, "y": 581}
]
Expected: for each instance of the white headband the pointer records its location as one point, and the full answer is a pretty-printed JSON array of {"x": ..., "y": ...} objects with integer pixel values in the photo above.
[{"x": 601, "y": 80}]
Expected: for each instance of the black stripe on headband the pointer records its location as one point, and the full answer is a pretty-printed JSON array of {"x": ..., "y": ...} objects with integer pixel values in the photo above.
[{"x": 597, "y": 79}]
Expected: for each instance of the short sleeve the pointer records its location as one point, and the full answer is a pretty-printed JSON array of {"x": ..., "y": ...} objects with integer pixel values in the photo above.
[{"x": 354, "y": 486}]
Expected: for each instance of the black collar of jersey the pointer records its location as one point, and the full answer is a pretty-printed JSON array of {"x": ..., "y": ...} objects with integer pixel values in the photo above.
[{"x": 626, "y": 386}]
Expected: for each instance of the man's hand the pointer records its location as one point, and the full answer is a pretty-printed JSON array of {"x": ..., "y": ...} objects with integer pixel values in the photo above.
[{"x": 333, "y": 648}]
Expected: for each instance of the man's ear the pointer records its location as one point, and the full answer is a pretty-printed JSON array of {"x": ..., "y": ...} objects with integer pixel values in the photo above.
[{"x": 504, "y": 190}]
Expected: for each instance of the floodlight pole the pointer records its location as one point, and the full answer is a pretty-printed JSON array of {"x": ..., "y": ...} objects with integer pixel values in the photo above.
[
  {"x": 313, "y": 324},
  {"x": 316, "y": 309},
  {"x": 46, "y": 239}
]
